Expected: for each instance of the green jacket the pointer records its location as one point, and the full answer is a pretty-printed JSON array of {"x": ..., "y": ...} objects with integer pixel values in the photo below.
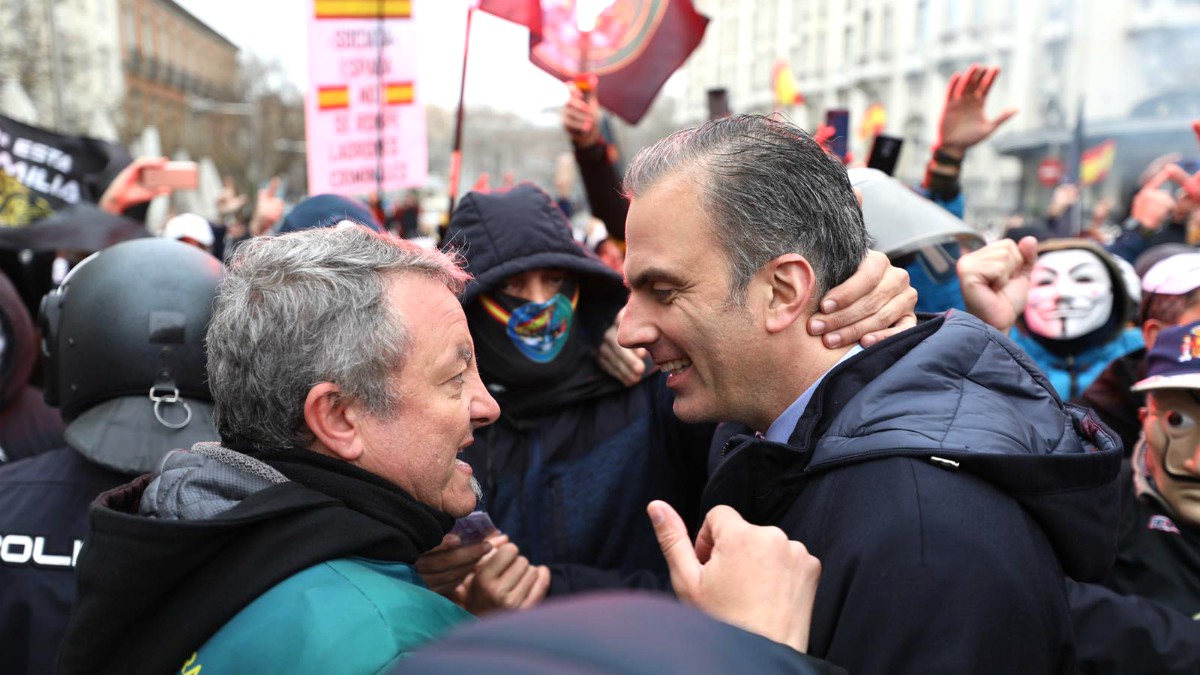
[{"x": 343, "y": 616}]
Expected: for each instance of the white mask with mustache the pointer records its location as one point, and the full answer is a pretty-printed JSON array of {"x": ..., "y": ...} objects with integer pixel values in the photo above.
[{"x": 1070, "y": 295}]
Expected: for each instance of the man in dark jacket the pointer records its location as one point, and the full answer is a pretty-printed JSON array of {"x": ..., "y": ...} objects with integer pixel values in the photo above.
[
  {"x": 936, "y": 474},
  {"x": 127, "y": 321}
]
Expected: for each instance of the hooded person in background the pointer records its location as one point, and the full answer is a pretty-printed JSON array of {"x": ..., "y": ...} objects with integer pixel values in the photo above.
[
  {"x": 576, "y": 456},
  {"x": 110, "y": 337},
  {"x": 1072, "y": 320},
  {"x": 28, "y": 426}
]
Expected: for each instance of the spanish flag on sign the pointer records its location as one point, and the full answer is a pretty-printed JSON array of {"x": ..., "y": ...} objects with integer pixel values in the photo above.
[
  {"x": 398, "y": 93},
  {"x": 362, "y": 9},
  {"x": 333, "y": 98}
]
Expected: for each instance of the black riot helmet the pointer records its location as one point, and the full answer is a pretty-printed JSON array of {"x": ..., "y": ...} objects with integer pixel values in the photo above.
[{"x": 123, "y": 338}]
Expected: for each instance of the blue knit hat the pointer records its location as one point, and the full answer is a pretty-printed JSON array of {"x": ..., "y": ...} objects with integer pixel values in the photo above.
[{"x": 327, "y": 211}]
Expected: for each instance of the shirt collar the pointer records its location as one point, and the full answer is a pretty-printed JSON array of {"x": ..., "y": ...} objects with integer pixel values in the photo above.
[{"x": 783, "y": 426}]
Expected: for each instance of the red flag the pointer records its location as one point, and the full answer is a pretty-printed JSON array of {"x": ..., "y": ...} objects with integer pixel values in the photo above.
[
  {"x": 635, "y": 47},
  {"x": 527, "y": 13}
]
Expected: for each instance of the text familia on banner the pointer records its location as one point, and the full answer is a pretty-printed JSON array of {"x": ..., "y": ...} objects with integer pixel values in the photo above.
[{"x": 362, "y": 71}]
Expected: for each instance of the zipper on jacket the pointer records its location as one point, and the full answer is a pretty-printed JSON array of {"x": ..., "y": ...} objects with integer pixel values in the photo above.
[{"x": 1074, "y": 389}]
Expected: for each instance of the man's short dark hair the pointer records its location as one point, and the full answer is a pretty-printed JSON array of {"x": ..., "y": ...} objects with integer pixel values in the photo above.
[
  {"x": 1166, "y": 308},
  {"x": 770, "y": 190}
]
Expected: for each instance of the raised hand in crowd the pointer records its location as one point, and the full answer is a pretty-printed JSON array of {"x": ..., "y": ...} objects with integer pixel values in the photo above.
[
  {"x": 229, "y": 201},
  {"x": 1152, "y": 205},
  {"x": 750, "y": 576},
  {"x": 995, "y": 280},
  {"x": 1064, "y": 197},
  {"x": 964, "y": 122},
  {"x": 268, "y": 209},
  {"x": 127, "y": 190},
  {"x": 627, "y": 365},
  {"x": 581, "y": 115}
]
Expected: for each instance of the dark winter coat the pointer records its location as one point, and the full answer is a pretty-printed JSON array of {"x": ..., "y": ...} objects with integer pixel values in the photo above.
[{"x": 947, "y": 493}]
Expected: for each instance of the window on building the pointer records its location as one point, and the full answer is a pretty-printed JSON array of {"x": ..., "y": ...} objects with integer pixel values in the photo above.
[
  {"x": 847, "y": 43},
  {"x": 978, "y": 13},
  {"x": 922, "y": 22},
  {"x": 885, "y": 38},
  {"x": 952, "y": 15},
  {"x": 147, "y": 35},
  {"x": 866, "y": 32},
  {"x": 129, "y": 28}
]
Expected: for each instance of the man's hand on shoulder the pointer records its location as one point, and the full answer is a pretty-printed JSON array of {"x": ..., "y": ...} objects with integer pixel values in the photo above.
[
  {"x": 995, "y": 280},
  {"x": 746, "y": 575}
]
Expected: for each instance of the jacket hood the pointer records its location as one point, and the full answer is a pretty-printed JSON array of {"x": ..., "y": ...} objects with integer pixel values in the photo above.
[
  {"x": 18, "y": 355},
  {"x": 958, "y": 393},
  {"x": 200, "y": 538},
  {"x": 500, "y": 234}
]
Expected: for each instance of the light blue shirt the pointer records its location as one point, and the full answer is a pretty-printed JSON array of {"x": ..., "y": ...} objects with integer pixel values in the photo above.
[{"x": 783, "y": 426}]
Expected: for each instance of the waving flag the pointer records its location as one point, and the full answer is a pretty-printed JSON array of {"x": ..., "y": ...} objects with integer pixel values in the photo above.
[{"x": 635, "y": 47}]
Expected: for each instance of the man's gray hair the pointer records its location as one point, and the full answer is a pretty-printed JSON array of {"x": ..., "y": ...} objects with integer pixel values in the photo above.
[
  {"x": 769, "y": 189},
  {"x": 305, "y": 308}
]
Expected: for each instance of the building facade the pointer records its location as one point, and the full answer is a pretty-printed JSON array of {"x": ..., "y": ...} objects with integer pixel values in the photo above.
[
  {"x": 1135, "y": 64},
  {"x": 179, "y": 73}
]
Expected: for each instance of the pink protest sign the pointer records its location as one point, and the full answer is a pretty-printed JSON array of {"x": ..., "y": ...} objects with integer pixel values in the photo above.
[{"x": 362, "y": 71}]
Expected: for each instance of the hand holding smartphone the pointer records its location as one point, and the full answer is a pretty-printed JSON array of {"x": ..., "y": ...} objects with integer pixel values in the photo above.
[{"x": 173, "y": 175}]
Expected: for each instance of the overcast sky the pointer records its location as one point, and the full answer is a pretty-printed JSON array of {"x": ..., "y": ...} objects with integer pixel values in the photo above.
[{"x": 499, "y": 74}]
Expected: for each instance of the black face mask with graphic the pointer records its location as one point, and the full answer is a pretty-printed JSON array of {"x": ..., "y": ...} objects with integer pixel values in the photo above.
[{"x": 534, "y": 352}]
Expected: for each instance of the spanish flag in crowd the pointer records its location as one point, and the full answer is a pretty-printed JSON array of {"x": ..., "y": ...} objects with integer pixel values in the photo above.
[
  {"x": 333, "y": 98},
  {"x": 1096, "y": 162},
  {"x": 874, "y": 122},
  {"x": 362, "y": 9},
  {"x": 787, "y": 92}
]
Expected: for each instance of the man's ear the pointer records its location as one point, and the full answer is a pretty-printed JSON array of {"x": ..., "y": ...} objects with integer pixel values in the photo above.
[
  {"x": 790, "y": 281},
  {"x": 1142, "y": 412},
  {"x": 1150, "y": 330},
  {"x": 333, "y": 421}
]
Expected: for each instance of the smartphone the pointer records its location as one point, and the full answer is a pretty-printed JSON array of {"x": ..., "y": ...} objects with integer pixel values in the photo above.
[
  {"x": 839, "y": 119},
  {"x": 473, "y": 528},
  {"x": 175, "y": 175},
  {"x": 885, "y": 151},
  {"x": 718, "y": 103}
]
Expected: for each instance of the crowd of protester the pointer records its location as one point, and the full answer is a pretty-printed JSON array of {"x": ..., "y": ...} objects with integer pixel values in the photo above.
[{"x": 712, "y": 431}]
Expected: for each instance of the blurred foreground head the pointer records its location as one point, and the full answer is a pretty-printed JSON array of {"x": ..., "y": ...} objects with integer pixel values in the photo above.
[{"x": 918, "y": 235}]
